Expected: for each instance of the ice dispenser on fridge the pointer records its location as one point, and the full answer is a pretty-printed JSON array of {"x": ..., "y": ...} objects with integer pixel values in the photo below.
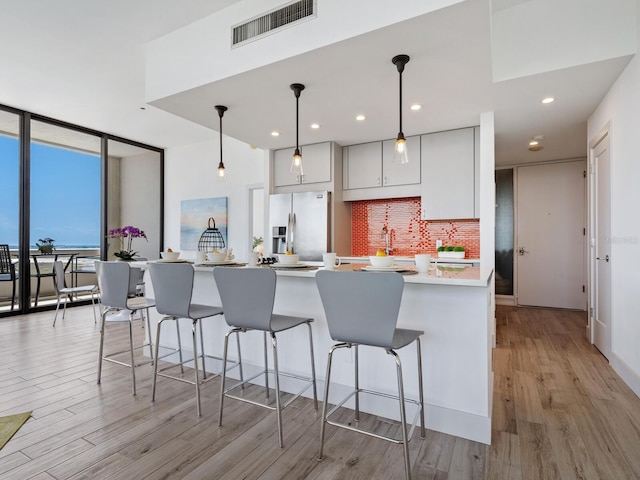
[{"x": 279, "y": 239}]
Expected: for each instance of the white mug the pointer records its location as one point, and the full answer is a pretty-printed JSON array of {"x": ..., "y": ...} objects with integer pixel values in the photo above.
[
  {"x": 201, "y": 257},
  {"x": 423, "y": 262},
  {"x": 330, "y": 260},
  {"x": 253, "y": 258}
]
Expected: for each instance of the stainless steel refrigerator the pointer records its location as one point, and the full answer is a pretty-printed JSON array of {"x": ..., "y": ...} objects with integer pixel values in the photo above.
[{"x": 299, "y": 223}]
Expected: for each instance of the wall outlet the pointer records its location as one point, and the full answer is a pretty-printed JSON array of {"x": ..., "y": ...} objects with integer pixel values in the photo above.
[{"x": 438, "y": 243}]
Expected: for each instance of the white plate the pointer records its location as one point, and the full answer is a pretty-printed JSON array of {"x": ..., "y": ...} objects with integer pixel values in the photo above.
[
  {"x": 288, "y": 265},
  {"x": 392, "y": 268},
  {"x": 166, "y": 260},
  {"x": 224, "y": 262}
]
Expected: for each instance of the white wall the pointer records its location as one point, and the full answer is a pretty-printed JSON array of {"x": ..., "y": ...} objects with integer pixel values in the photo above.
[
  {"x": 201, "y": 52},
  {"x": 191, "y": 172},
  {"x": 621, "y": 106},
  {"x": 541, "y": 36}
]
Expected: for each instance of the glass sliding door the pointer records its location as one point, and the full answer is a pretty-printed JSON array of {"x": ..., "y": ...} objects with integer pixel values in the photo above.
[
  {"x": 64, "y": 201},
  {"x": 9, "y": 211},
  {"x": 504, "y": 231},
  {"x": 134, "y": 199}
]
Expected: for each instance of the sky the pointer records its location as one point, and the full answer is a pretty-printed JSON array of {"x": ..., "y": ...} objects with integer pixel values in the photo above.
[{"x": 65, "y": 195}]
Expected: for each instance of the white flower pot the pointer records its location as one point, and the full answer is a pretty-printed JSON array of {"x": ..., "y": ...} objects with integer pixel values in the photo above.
[{"x": 451, "y": 254}]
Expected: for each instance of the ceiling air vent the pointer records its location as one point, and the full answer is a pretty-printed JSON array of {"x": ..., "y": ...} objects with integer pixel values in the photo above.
[{"x": 290, "y": 14}]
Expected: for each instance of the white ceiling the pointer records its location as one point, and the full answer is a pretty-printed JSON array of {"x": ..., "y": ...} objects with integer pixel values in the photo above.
[{"x": 83, "y": 62}]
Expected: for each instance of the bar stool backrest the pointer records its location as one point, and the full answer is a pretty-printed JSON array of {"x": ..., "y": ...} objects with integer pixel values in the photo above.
[
  {"x": 247, "y": 296},
  {"x": 361, "y": 307},
  {"x": 6, "y": 267},
  {"x": 172, "y": 288},
  {"x": 113, "y": 281},
  {"x": 58, "y": 276}
]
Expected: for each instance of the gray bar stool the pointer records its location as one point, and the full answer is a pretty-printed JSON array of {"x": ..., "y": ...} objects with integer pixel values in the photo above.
[
  {"x": 113, "y": 281},
  {"x": 62, "y": 290},
  {"x": 362, "y": 309},
  {"x": 247, "y": 296},
  {"x": 173, "y": 290}
]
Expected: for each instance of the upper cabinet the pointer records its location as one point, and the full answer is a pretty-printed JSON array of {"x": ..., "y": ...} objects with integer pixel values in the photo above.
[
  {"x": 449, "y": 175},
  {"x": 362, "y": 165},
  {"x": 398, "y": 174},
  {"x": 370, "y": 173},
  {"x": 316, "y": 161}
]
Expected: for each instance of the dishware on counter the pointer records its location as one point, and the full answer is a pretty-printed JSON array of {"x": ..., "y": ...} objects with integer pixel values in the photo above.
[
  {"x": 288, "y": 259},
  {"x": 201, "y": 257},
  {"x": 170, "y": 256},
  {"x": 381, "y": 261},
  {"x": 330, "y": 260},
  {"x": 216, "y": 257},
  {"x": 423, "y": 262},
  {"x": 253, "y": 258}
]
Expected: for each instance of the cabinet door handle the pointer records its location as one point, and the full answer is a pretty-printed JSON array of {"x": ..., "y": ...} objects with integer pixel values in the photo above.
[
  {"x": 385, "y": 180},
  {"x": 378, "y": 180}
]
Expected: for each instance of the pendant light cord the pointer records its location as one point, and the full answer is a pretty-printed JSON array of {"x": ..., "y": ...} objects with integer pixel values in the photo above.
[{"x": 400, "y": 99}]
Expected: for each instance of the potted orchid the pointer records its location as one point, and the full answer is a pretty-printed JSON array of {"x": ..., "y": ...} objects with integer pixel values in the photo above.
[
  {"x": 45, "y": 245},
  {"x": 126, "y": 236}
]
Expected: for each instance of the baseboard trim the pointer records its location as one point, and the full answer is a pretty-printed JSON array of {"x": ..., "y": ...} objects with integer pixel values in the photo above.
[{"x": 630, "y": 376}]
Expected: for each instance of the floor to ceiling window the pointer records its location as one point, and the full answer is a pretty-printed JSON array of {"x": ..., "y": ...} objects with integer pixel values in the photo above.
[
  {"x": 9, "y": 208},
  {"x": 62, "y": 188}
]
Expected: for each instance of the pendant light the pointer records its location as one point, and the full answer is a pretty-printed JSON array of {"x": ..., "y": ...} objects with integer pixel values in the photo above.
[
  {"x": 296, "y": 161},
  {"x": 221, "y": 109},
  {"x": 400, "y": 154}
]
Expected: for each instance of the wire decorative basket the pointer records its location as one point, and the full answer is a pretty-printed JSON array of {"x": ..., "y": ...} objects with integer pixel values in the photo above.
[{"x": 211, "y": 238}]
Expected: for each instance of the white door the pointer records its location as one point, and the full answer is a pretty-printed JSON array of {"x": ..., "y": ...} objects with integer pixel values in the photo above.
[
  {"x": 551, "y": 222},
  {"x": 602, "y": 250}
]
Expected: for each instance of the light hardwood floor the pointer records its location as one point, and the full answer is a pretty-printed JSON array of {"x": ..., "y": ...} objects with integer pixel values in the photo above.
[{"x": 559, "y": 412}]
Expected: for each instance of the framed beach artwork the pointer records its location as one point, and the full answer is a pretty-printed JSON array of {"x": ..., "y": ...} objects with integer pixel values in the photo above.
[{"x": 195, "y": 219}]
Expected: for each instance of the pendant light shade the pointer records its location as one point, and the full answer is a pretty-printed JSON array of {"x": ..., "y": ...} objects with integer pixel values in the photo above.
[
  {"x": 400, "y": 154},
  {"x": 221, "y": 109},
  {"x": 296, "y": 161}
]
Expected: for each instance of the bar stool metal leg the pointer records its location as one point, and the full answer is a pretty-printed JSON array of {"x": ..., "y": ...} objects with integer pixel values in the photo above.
[
  {"x": 277, "y": 375},
  {"x": 313, "y": 369},
  {"x": 419, "y": 349},
  {"x": 133, "y": 368},
  {"x": 195, "y": 365},
  {"x": 403, "y": 415},
  {"x": 357, "y": 383}
]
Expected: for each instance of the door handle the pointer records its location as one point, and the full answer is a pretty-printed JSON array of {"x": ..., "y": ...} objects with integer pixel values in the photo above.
[
  {"x": 605, "y": 258},
  {"x": 522, "y": 251}
]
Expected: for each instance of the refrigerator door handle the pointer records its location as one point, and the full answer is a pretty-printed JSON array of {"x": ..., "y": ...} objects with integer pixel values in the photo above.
[
  {"x": 293, "y": 232},
  {"x": 288, "y": 233}
]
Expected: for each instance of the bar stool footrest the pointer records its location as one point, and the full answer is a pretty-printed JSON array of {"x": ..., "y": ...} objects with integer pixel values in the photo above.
[
  {"x": 371, "y": 418},
  {"x": 257, "y": 387}
]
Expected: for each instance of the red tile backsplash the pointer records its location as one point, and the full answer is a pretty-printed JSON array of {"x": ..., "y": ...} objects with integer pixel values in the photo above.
[{"x": 408, "y": 234}]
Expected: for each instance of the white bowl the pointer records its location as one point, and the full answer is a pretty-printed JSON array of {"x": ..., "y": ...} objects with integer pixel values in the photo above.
[
  {"x": 170, "y": 255},
  {"x": 377, "y": 261},
  {"x": 285, "y": 259},
  {"x": 216, "y": 257}
]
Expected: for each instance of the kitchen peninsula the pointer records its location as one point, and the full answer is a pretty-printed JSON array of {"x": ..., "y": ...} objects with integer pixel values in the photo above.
[{"x": 453, "y": 307}]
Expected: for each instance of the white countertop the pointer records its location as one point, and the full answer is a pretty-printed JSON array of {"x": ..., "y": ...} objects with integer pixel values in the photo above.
[
  {"x": 439, "y": 275},
  {"x": 404, "y": 259}
]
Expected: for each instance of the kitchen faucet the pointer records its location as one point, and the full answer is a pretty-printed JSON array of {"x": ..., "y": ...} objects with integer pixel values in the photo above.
[{"x": 386, "y": 236}]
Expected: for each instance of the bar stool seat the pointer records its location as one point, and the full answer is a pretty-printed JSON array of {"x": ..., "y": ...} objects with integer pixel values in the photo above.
[
  {"x": 113, "y": 281},
  {"x": 62, "y": 290},
  {"x": 173, "y": 290},
  {"x": 248, "y": 296},
  {"x": 362, "y": 309}
]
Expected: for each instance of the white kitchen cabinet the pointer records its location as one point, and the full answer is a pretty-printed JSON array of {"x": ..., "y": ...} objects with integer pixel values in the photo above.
[
  {"x": 448, "y": 188},
  {"x": 401, "y": 174},
  {"x": 362, "y": 166},
  {"x": 316, "y": 162}
]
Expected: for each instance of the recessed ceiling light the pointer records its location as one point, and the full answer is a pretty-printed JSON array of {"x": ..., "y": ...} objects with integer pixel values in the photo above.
[
  {"x": 315, "y": 125},
  {"x": 275, "y": 134},
  {"x": 536, "y": 148},
  {"x": 547, "y": 100},
  {"x": 415, "y": 106},
  {"x": 360, "y": 117},
  {"x": 533, "y": 142}
]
